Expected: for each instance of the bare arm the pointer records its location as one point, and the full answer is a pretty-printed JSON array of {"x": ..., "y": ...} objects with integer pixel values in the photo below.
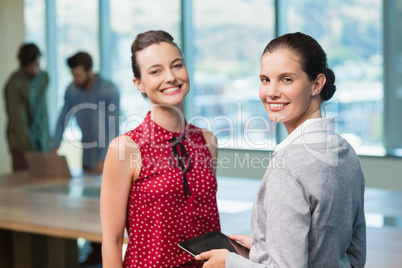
[
  {"x": 122, "y": 166},
  {"x": 212, "y": 143}
]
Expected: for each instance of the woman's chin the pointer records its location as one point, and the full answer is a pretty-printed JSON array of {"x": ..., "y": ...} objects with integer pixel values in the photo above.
[{"x": 276, "y": 118}]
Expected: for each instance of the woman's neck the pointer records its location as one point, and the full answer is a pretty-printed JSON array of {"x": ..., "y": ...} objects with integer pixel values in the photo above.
[
  {"x": 314, "y": 113},
  {"x": 169, "y": 117}
]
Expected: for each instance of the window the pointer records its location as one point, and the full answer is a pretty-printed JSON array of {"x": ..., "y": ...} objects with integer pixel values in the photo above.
[
  {"x": 393, "y": 77},
  {"x": 75, "y": 35},
  {"x": 127, "y": 19},
  {"x": 351, "y": 34},
  {"x": 34, "y": 13},
  {"x": 229, "y": 37}
]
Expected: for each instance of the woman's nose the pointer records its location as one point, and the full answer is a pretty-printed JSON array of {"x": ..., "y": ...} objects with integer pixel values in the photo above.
[
  {"x": 273, "y": 91},
  {"x": 170, "y": 77}
]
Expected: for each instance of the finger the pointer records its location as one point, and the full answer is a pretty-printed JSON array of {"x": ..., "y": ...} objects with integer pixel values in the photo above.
[
  {"x": 239, "y": 238},
  {"x": 204, "y": 256}
]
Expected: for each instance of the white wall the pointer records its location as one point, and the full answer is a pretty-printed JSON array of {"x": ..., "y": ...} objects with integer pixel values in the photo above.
[
  {"x": 382, "y": 172},
  {"x": 12, "y": 35}
]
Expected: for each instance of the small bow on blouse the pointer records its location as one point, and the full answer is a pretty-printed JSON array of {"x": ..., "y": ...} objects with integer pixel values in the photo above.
[{"x": 180, "y": 153}]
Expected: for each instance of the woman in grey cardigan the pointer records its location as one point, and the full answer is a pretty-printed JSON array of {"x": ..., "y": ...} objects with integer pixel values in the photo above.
[{"x": 309, "y": 210}]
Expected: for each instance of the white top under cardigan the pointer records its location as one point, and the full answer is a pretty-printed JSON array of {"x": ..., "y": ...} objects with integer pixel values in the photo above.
[{"x": 309, "y": 210}]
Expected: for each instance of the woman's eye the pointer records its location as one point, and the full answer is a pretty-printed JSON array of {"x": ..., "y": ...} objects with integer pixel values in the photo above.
[
  {"x": 155, "y": 72},
  {"x": 178, "y": 66},
  {"x": 287, "y": 80},
  {"x": 264, "y": 80}
]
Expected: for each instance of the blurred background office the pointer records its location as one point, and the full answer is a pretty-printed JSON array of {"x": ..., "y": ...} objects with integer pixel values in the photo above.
[{"x": 222, "y": 42}]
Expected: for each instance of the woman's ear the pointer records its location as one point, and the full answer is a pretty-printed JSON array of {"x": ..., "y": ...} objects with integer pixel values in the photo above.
[
  {"x": 319, "y": 84},
  {"x": 138, "y": 84}
]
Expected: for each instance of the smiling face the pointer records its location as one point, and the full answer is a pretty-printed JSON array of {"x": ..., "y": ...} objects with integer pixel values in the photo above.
[
  {"x": 285, "y": 90},
  {"x": 164, "y": 77}
]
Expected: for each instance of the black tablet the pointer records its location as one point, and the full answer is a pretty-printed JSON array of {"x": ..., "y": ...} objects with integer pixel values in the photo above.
[{"x": 213, "y": 240}]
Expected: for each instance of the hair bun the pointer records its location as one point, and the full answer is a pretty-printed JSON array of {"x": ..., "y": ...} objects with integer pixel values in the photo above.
[{"x": 329, "y": 88}]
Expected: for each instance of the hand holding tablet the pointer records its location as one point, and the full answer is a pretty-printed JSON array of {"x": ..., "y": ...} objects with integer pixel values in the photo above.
[{"x": 213, "y": 240}]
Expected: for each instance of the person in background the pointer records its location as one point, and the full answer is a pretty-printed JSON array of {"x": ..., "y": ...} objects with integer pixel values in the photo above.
[
  {"x": 94, "y": 102},
  {"x": 26, "y": 107},
  {"x": 309, "y": 211},
  {"x": 159, "y": 179}
]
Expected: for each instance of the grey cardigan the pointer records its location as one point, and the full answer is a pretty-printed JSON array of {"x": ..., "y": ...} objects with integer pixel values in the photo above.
[{"x": 309, "y": 210}]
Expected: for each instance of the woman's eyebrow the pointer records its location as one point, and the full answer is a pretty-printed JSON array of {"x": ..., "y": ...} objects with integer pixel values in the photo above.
[
  {"x": 178, "y": 59},
  {"x": 152, "y": 66}
]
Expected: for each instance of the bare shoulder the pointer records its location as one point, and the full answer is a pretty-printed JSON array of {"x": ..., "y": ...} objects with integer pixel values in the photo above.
[
  {"x": 123, "y": 142},
  {"x": 123, "y": 155},
  {"x": 211, "y": 140},
  {"x": 209, "y": 137},
  {"x": 212, "y": 143},
  {"x": 123, "y": 145}
]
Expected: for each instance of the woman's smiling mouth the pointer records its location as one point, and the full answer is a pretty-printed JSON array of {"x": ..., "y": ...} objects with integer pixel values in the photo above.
[
  {"x": 277, "y": 106},
  {"x": 171, "y": 90}
]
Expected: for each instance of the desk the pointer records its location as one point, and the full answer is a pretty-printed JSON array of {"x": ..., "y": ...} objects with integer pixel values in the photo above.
[
  {"x": 57, "y": 211},
  {"x": 49, "y": 213}
]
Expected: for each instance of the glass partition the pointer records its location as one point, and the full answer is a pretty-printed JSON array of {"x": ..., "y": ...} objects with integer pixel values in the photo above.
[
  {"x": 351, "y": 33},
  {"x": 77, "y": 30},
  {"x": 34, "y": 16},
  {"x": 127, "y": 19},
  {"x": 229, "y": 37}
]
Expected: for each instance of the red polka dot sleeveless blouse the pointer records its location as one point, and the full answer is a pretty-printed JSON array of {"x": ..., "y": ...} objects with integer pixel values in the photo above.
[{"x": 173, "y": 199}]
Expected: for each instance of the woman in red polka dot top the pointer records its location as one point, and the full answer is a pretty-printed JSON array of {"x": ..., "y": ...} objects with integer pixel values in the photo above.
[{"x": 159, "y": 179}]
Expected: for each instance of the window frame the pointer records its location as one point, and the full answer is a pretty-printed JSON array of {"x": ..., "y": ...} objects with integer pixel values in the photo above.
[{"x": 392, "y": 143}]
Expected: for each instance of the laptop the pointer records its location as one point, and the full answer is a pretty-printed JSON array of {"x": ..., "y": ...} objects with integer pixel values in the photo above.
[{"x": 47, "y": 165}]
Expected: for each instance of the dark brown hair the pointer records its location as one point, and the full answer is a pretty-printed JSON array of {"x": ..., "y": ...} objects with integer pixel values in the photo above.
[
  {"x": 28, "y": 53},
  {"x": 313, "y": 58},
  {"x": 81, "y": 58},
  {"x": 144, "y": 40}
]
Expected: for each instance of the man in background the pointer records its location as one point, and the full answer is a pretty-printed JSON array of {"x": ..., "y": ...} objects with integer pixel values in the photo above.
[
  {"x": 26, "y": 105},
  {"x": 94, "y": 102}
]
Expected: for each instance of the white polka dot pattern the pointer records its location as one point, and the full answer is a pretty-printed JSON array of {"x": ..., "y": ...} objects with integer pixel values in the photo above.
[{"x": 159, "y": 216}]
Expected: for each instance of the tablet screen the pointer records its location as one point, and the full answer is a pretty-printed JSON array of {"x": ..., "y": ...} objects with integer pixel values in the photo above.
[{"x": 213, "y": 240}]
